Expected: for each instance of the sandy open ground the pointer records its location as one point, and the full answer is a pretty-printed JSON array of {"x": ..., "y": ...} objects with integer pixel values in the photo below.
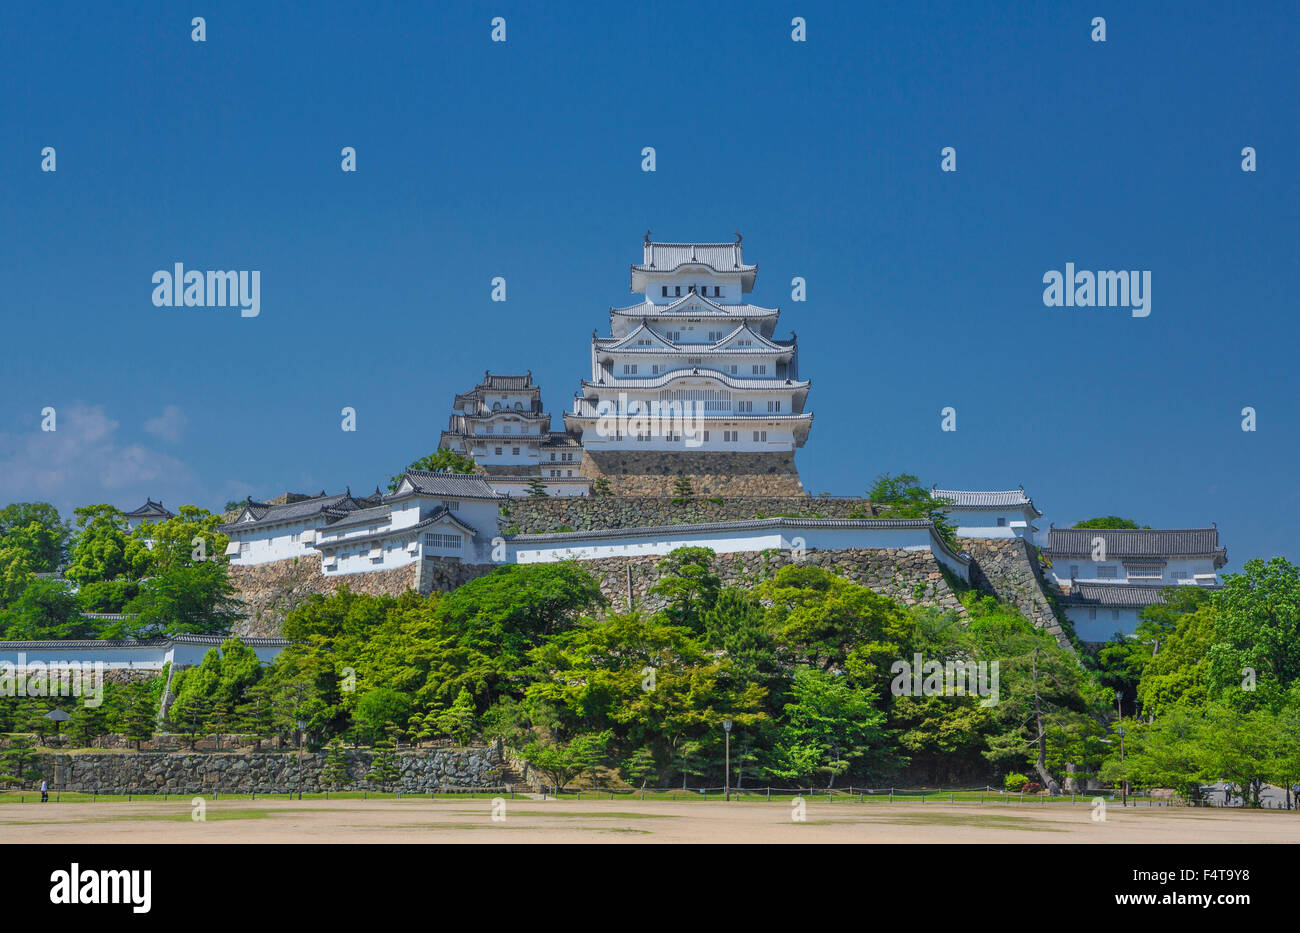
[{"x": 530, "y": 820}]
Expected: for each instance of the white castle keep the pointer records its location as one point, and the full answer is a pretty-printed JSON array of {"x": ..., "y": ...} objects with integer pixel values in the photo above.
[{"x": 694, "y": 365}]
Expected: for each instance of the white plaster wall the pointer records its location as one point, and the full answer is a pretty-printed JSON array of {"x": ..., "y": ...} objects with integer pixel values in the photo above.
[
  {"x": 276, "y": 542},
  {"x": 653, "y": 543},
  {"x": 1088, "y": 572}
]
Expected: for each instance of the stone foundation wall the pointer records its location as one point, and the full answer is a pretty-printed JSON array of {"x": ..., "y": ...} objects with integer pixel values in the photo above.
[
  {"x": 910, "y": 577},
  {"x": 1008, "y": 568},
  {"x": 269, "y": 591},
  {"x": 588, "y": 513},
  {"x": 712, "y": 473},
  {"x": 421, "y": 771}
]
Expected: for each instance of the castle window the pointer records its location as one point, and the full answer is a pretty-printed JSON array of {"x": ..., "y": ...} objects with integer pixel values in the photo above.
[
  {"x": 514, "y": 451},
  {"x": 774, "y": 406},
  {"x": 1002, "y": 522},
  {"x": 496, "y": 406},
  {"x": 760, "y": 435},
  {"x": 1106, "y": 572},
  {"x": 706, "y": 437},
  {"x": 497, "y": 451},
  {"x": 678, "y": 291},
  {"x": 734, "y": 369},
  {"x": 665, "y": 291},
  {"x": 1092, "y": 613},
  {"x": 1074, "y": 571},
  {"x": 744, "y": 406},
  {"x": 760, "y": 369}
]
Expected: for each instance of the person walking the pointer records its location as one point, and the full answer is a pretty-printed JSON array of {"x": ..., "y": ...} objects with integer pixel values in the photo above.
[{"x": 45, "y": 791}]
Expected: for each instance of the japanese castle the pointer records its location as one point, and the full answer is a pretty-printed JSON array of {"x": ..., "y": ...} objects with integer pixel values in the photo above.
[{"x": 695, "y": 353}]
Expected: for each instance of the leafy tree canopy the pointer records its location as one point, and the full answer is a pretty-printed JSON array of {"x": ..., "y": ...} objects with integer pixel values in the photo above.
[{"x": 442, "y": 460}]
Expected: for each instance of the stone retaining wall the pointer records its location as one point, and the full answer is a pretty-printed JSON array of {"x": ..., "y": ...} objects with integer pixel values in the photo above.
[
  {"x": 589, "y": 513},
  {"x": 271, "y": 590},
  {"x": 1008, "y": 568},
  {"x": 713, "y": 473},
  {"x": 909, "y": 577},
  {"x": 421, "y": 771}
]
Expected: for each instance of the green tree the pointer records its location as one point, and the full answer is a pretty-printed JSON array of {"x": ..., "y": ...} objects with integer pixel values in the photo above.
[
  {"x": 382, "y": 711},
  {"x": 823, "y": 620},
  {"x": 335, "y": 770},
  {"x": 1258, "y": 627},
  {"x": 459, "y": 720},
  {"x": 827, "y": 726},
  {"x": 16, "y": 572},
  {"x": 688, "y": 585},
  {"x": 135, "y": 713},
  {"x": 38, "y": 529},
  {"x": 196, "y": 599},
  {"x": 45, "y": 609},
  {"x": 558, "y": 761},
  {"x": 442, "y": 460},
  {"x": 601, "y": 487},
  {"x": 384, "y": 769},
  {"x": 1107, "y": 521},
  {"x": 537, "y": 488},
  {"x": 188, "y": 538},
  {"x": 902, "y": 496},
  {"x": 102, "y": 549},
  {"x": 683, "y": 490},
  {"x": 18, "y": 762}
]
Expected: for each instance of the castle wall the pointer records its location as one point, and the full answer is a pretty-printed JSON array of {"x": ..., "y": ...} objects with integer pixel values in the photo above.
[
  {"x": 1008, "y": 568},
  {"x": 712, "y": 473},
  {"x": 271, "y": 591},
  {"x": 591, "y": 513},
  {"x": 912, "y": 578},
  {"x": 421, "y": 771}
]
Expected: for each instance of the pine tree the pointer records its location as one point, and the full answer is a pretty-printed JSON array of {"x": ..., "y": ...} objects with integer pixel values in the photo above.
[
  {"x": 335, "y": 772},
  {"x": 537, "y": 488},
  {"x": 383, "y": 767},
  {"x": 458, "y": 721},
  {"x": 601, "y": 487},
  {"x": 137, "y": 713},
  {"x": 682, "y": 489},
  {"x": 16, "y": 761}
]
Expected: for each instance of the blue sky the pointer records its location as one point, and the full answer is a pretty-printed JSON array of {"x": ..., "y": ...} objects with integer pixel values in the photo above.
[{"x": 522, "y": 160}]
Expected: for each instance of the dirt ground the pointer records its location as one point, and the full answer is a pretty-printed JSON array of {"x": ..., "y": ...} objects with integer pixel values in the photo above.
[{"x": 564, "y": 821}]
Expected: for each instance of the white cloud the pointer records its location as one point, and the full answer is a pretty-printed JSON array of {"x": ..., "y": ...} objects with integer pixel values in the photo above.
[
  {"x": 169, "y": 426},
  {"x": 84, "y": 462}
]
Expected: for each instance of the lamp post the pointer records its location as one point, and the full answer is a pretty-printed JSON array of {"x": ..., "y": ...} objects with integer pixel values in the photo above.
[
  {"x": 726, "y": 774},
  {"x": 1124, "y": 783}
]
